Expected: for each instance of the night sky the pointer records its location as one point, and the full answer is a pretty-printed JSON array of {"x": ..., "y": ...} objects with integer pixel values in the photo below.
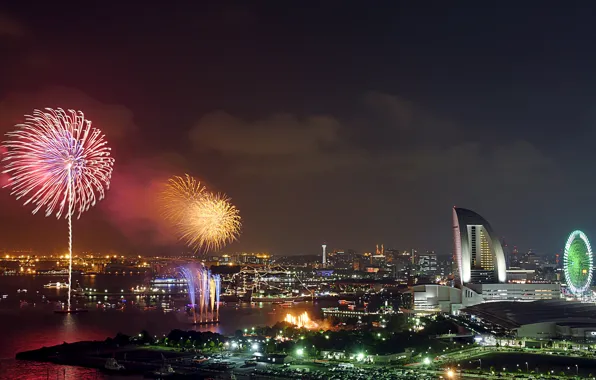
[{"x": 323, "y": 121}]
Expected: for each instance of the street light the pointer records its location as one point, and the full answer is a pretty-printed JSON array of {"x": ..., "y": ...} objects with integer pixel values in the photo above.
[
  {"x": 450, "y": 373},
  {"x": 300, "y": 352},
  {"x": 527, "y": 369},
  {"x": 426, "y": 361},
  {"x": 577, "y": 369}
]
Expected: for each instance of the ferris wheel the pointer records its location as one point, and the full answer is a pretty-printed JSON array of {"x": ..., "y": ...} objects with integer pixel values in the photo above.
[{"x": 578, "y": 263}]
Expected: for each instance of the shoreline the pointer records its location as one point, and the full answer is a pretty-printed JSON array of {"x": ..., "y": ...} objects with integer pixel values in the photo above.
[{"x": 136, "y": 359}]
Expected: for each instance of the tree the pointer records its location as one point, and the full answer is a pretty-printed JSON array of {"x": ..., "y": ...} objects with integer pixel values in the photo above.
[
  {"x": 145, "y": 337},
  {"x": 397, "y": 323}
]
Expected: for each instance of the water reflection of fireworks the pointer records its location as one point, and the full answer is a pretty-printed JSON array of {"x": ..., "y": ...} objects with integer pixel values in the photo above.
[{"x": 303, "y": 320}]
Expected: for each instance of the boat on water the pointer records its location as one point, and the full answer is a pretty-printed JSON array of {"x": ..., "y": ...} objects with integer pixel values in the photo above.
[
  {"x": 56, "y": 285},
  {"x": 167, "y": 281},
  {"x": 77, "y": 291},
  {"x": 57, "y": 272},
  {"x": 113, "y": 365},
  {"x": 64, "y": 285}
]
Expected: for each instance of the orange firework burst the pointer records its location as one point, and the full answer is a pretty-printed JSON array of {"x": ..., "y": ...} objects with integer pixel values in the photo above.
[
  {"x": 205, "y": 220},
  {"x": 212, "y": 222}
]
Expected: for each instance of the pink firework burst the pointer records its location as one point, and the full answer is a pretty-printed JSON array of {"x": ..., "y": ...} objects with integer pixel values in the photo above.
[{"x": 56, "y": 160}]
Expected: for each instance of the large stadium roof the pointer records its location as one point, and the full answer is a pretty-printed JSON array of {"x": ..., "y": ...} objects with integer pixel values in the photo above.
[{"x": 515, "y": 314}]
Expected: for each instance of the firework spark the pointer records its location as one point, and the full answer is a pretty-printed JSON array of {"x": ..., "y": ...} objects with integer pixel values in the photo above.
[
  {"x": 212, "y": 222},
  {"x": 52, "y": 150},
  {"x": 57, "y": 161},
  {"x": 178, "y": 194}
]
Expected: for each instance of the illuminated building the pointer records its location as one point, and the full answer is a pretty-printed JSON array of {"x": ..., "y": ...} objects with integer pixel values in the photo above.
[
  {"x": 435, "y": 298},
  {"x": 324, "y": 254},
  {"x": 380, "y": 251},
  {"x": 252, "y": 258},
  {"x": 480, "y": 293},
  {"x": 427, "y": 263},
  {"x": 438, "y": 298},
  {"x": 478, "y": 251}
]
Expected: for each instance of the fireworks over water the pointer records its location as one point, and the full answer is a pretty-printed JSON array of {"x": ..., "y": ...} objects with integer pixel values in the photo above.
[
  {"x": 204, "y": 220},
  {"x": 58, "y": 161}
]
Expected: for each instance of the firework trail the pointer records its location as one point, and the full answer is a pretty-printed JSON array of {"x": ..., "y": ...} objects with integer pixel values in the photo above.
[
  {"x": 217, "y": 278},
  {"x": 204, "y": 220},
  {"x": 205, "y": 290},
  {"x": 58, "y": 161},
  {"x": 212, "y": 296},
  {"x": 190, "y": 275}
]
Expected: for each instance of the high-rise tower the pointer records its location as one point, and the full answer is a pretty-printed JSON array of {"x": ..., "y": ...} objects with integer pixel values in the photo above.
[
  {"x": 324, "y": 254},
  {"x": 478, "y": 251}
]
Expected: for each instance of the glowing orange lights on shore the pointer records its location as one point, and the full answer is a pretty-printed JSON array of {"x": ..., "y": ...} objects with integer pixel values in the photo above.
[{"x": 303, "y": 320}]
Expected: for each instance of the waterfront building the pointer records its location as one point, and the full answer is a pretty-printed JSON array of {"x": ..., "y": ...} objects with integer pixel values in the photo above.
[
  {"x": 439, "y": 298},
  {"x": 478, "y": 251}
]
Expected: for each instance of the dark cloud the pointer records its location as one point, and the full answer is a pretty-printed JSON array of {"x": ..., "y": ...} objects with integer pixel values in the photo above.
[
  {"x": 277, "y": 135},
  {"x": 281, "y": 144},
  {"x": 290, "y": 147}
]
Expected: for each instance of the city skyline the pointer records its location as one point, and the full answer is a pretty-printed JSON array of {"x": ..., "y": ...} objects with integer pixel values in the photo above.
[{"x": 308, "y": 147}]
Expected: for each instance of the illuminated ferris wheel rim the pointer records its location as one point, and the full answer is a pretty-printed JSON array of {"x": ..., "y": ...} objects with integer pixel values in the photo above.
[{"x": 572, "y": 237}]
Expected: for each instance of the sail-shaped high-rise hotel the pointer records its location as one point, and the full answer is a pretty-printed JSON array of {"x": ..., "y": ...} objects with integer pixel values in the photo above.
[{"x": 477, "y": 250}]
